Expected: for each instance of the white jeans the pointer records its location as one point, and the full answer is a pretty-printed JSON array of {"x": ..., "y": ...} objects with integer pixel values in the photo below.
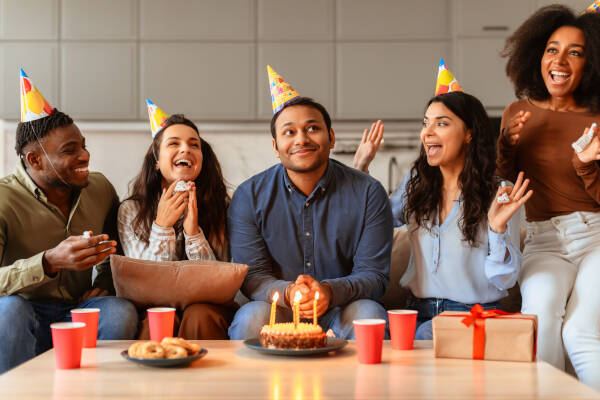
[{"x": 560, "y": 282}]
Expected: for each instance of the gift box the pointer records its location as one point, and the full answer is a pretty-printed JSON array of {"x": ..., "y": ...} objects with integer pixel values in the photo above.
[{"x": 485, "y": 335}]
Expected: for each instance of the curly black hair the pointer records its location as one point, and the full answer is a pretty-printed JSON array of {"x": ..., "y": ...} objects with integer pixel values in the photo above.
[
  {"x": 27, "y": 131},
  {"x": 211, "y": 192},
  {"x": 525, "y": 48},
  {"x": 476, "y": 181}
]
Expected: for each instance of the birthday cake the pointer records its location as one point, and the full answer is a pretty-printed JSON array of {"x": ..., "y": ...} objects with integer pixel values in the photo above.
[{"x": 286, "y": 336}]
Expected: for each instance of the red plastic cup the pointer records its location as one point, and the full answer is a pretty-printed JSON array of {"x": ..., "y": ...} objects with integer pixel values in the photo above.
[
  {"x": 402, "y": 328},
  {"x": 90, "y": 317},
  {"x": 67, "y": 340},
  {"x": 369, "y": 339},
  {"x": 161, "y": 321}
]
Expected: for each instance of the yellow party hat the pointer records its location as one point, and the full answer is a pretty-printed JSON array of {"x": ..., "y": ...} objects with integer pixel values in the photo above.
[
  {"x": 446, "y": 82},
  {"x": 33, "y": 104},
  {"x": 595, "y": 6},
  {"x": 157, "y": 117},
  {"x": 281, "y": 91}
]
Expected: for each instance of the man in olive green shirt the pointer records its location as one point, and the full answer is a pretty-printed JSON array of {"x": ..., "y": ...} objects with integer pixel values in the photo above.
[{"x": 46, "y": 263}]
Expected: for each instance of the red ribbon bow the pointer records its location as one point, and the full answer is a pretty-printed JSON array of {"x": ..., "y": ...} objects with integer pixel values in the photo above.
[{"x": 477, "y": 318}]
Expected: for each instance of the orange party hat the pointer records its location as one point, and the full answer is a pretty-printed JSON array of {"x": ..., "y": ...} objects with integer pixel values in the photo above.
[
  {"x": 157, "y": 117},
  {"x": 281, "y": 91},
  {"x": 446, "y": 82},
  {"x": 33, "y": 105}
]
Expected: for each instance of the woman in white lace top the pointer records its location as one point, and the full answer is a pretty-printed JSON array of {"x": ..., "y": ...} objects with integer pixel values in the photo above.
[{"x": 177, "y": 211}]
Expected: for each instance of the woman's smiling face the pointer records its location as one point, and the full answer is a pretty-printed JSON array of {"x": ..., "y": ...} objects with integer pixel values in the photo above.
[
  {"x": 444, "y": 136},
  {"x": 180, "y": 154},
  {"x": 563, "y": 61}
]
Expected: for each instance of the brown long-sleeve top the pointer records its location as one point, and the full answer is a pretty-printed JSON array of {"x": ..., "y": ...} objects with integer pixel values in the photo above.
[{"x": 562, "y": 184}]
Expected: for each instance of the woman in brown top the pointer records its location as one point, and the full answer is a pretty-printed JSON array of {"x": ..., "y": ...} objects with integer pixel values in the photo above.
[{"x": 554, "y": 64}]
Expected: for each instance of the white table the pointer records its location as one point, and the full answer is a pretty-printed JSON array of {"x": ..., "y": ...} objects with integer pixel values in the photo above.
[{"x": 232, "y": 371}]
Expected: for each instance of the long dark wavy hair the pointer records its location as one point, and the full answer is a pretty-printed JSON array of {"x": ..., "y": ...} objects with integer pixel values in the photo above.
[
  {"x": 476, "y": 181},
  {"x": 526, "y": 46},
  {"x": 211, "y": 192}
]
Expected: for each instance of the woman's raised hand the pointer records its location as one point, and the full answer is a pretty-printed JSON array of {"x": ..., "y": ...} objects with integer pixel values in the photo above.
[
  {"x": 501, "y": 212},
  {"x": 592, "y": 151},
  {"x": 170, "y": 206},
  {"x": 368, "y": 147},
  {"x": 514, "y": 127},
  {"x": 190, "y": 220}
]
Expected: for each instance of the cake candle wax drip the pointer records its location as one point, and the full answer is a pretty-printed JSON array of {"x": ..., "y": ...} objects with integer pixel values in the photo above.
[
  {"x": 273, "y": 308},
  {"x": 296, "y": 309},
  {"x": 315, "y": 308}
]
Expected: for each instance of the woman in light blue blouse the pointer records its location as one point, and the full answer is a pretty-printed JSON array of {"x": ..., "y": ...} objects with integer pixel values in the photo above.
[{"x": 460, "y": 234}]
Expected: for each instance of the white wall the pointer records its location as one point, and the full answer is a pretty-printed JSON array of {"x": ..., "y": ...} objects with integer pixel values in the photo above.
[{"x": 363, "y": 59}]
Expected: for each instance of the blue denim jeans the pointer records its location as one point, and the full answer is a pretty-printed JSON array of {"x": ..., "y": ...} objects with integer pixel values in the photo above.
[
  {"x": 25, "y": 325},
  {"x": 251, "y": 317},
  {"x": 429, "y": 308}
]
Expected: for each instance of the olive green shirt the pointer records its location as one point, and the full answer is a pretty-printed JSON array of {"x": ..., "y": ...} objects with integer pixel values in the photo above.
[{"x": 30, "y": 225}]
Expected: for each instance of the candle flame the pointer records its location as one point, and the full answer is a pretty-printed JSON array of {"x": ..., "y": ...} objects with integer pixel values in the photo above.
[
  {"x": 317, "y": 296},
  {"x": 297, "y": 297},
  {"x": 275, "y": 297}
]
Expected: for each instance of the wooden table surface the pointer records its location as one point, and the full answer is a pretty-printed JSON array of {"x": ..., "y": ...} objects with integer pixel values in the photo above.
[{"x": 232, "y": 371}]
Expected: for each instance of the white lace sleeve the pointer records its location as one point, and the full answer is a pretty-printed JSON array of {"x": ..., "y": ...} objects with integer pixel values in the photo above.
[
  {"x": 197, "y": 247},
  {"x": 161, "y": 244}
]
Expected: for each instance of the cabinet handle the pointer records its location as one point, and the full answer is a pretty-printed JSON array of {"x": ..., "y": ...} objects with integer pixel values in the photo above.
[{"x": 495, "y": 28}]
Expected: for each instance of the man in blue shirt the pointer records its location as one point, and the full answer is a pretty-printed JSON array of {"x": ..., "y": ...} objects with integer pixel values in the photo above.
[{"x": 310, "y": 224}]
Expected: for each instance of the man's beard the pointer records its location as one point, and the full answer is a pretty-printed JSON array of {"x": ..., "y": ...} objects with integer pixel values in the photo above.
[
  {"x": 312, "y": 167},
  {"x": 289, "y": 164},
  {"x": 59, "y": 183}
]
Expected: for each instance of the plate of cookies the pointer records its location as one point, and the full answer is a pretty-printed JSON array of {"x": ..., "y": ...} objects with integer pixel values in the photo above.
[{"x": 170, "y": 352}]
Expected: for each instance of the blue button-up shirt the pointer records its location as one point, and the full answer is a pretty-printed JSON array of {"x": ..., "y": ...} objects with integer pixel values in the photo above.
[
  {"x": 442, "y": 265},
  {"x": 341, "y": 234}
]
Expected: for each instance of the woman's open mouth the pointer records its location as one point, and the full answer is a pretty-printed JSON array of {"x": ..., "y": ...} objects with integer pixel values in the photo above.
[
  {"x": 559, "y": 77},
  {"x": 183, "y": 163},
  {"x": 433, "y": 149}
]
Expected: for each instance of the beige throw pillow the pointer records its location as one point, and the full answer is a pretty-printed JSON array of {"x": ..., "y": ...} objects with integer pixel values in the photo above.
[{"x": 176, "y": 283}]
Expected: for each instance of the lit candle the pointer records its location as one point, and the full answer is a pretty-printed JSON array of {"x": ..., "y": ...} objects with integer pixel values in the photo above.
[
  {"x": 273, "y": 307},
  {"x": 315, "y": 308},
  {"x": 296, "y": 309}
]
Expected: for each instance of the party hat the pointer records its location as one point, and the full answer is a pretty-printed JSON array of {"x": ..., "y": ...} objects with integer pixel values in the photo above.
[
  {"x": 595, "y": 6},
  {"x": 281, "y": 91},
  {"x": 33, "y": 104},
  {"x": 446, "y": 82},
  {"x": 157, "y": 117}
]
